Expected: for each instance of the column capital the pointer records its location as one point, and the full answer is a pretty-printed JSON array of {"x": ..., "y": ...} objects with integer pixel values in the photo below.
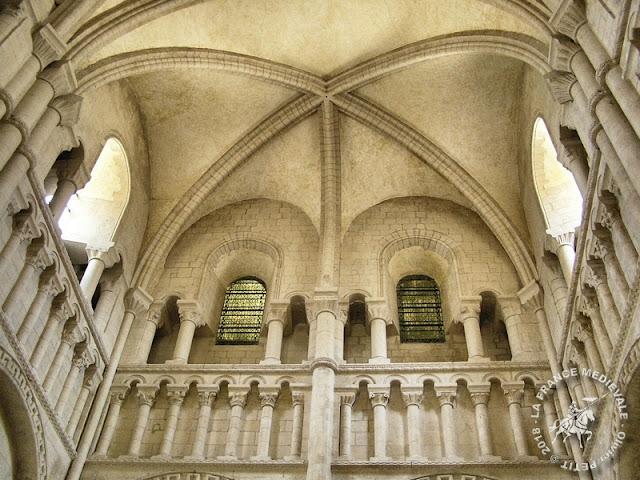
[
  {"x": 513, "y": 392},
  {"x": 81, "y": 359},
  {"x": 560, "y": 84},
  {"x": 38, "y": 257},
  {"x": 49, "y": 46},
  {"x": 568, "y": 18},
  {"x": 176, "y": 393},
  {"x": 548, "y": 392},
  {"x": 347, "y": 395},
  {"x": 561, "y": 51},
  {"x": 588, "y": 305},
  {"x": 118, "y": 394},
  {"x": 601, "y": 247},
  {"x": 446, "y": 393},
  {"x": 325, "y": 300},
  {"x": 238, "y": 395},
  {"x": 557, "y": 239},
  {"x": 298, "y": 392},
  {"x": 378, "y": 394},
  {"x": 74, "y": 172},
  {"x": 377, "y": 308},
  {"x": 531, "y": 296},
  {"x": 68, "y": 107},
  {"x": 268, "y": 394},
  {"x": 581, "y": 329},
  {"x": 137, "y": 301},
  {"x": 510, "y": 307},
  {"x": 24, "y": 225},
  {"x": 147, "y": 393},
  {"x": 92, "y": 377},
  {"x": 595, "y": 274},
  {"x": 189, "y": 311},
  {"x": 207, "y": 394},
  {"x": 106, "y": 254},
  {"x": 479, "y": 392},
  {"x": 469, "y": 308},
  {"x": 61, "y": 309},
  {"x": 154, "y": 314},
  {"x": 412, "y": 394},
  {"x": 50, "y": 282},
  {"x": 277, "y": 312}
]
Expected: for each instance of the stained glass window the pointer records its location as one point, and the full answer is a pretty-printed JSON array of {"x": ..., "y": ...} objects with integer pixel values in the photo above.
[
  {"x": 419, "y": 310},
  {"x": 242, "y": 312}
]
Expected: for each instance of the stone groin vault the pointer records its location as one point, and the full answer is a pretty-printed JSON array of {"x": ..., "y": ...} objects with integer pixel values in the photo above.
[{"x": 316, "y": 240}]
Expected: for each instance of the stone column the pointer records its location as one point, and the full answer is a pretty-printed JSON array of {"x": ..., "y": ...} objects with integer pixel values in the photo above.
[
  {"x": 24, "y": 229},
  {"x": 624, "y": 248},
  {"x": 81, "y": 360},
  {"x": 237, "y": 400},
  {"x": 313, "y": 326},
  {"x": 574, "y": 158},
  {"x": 154, "y": 315},
  {"x": 189, "y": 319},
  {"x": 49, "y": 287},
  {"x": 583, "y": 386},
  {"x": 276, "y": 320},
  {"x": 378, "y": 320},
  {"x": 446, "y": 395},
  {"x": 91, "y": 378},
  {"x": 37, "y": 260},
  {"x": 514, "y": 392},
  {"x": 480, "y": 393},
  {"x": 618, "y": 286},
  {"x": 583, "y": 334},
  {"x": 297, "y": 397},
  {"x": 118, "y": 394},
  {"x": 136, "y": 301},
  {"x": 206, "y": 396},
  {"x": 99, "y": 259},
  {"x": 146, "y": 398},
  {"x": 68, "y": 341},
  {"x": 561, "y": 244},
  {"x": 413, "y": 397},
  {"x": 175, "y": 394},
  {"x": 379, "y": 397},
  {"x": 596, "y": 278},
  {"x": 268, "y": 397},
  {"x": 550, "y": 418},
  {"x": 590, "y": 309},
  {"x": 511, "y": 314},
  {"x": 347, "y": 399},
  {"x": 61, "y": 312},
  {"x": 68, "y": 184},
  {"x": 110, "y": 290},
  {"x": 470, "y": 318},
  {"x": 342, "y": 318}
]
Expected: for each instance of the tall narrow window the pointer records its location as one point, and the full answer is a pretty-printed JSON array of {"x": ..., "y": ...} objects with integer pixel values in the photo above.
[
  {"x": 419, "y": 310},
  {"x": 242, "y": 312}
]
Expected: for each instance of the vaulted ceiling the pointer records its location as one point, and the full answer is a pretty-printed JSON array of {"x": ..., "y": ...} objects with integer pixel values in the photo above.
[{"x": 429, "y": 93}]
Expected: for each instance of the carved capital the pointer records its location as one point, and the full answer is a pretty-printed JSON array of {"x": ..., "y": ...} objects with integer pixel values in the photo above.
[
  {"x": 582, "y": 330},
  {"x": 49, "y": 283},
  {"x": 61, "y": 310},
  {"x": 378, "y": 394},
  {"x": 207, "y": 394},
  {"x": 510, "y": 307},
  {"x": 297, "y": 398},
  {"x": 326, "y": 300},
  {"x": 560, "y": 84},
  {"x": 147, "y": 394},
  {"x": 81, "y": 359},
  {"x": 106, "y": 254},
  {"x": 589, "y": 304},
  {"x": 277, "y": 312},
  {"x": 531, "y": 296},
  {"x": 48, "y": 46},
  {"x": 602, "y": 246},
  {"x": 479, "y": 392},
  {"x": 37, "y": 257},
  {"x": 137, "y": 301},
  {"x": 378, "y": 308},
  {"x": 469, "y": 308},
  {"x": 268, "y": 394},
  {"x": 176, "y": 393},
  {"x": 24, "y": 225},
  {"x": 154, "y": 314},
  {"x": 412, "y": 394},
  {"x": 189, "y": 311},
  {"x": 595, "y": 274},
  {"x": 569, "y": 17},
  {"x": 68, "y": 107},
  {"x": 62, "y": 79},
  {"x": 238, "y": 395},
  {"x": 561, "y": 52},
  {"x": 446, "y": 393},
  {"x": 348, "y": 396},
  {"x": 513, "y": 392},
  {"x": 480, "y": 398},
  {"x": 118, "y": 394}
]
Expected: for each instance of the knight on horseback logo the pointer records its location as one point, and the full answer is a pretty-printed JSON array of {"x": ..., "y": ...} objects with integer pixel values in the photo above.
[{"x": 576, "y": 422}]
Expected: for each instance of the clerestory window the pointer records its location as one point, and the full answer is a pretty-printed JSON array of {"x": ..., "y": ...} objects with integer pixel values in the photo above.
[
  {"x": 419, "y": 310},
  {"x": 241, "y": 318}
]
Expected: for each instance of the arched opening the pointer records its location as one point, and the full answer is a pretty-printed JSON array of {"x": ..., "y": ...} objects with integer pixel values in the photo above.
[
  {"x": 357, "y": 343},
  {"x": 495, "y": 341},
  {"x": 419, "y": 310},
  {"x": 93, "y": 214},
  {"x": 164, "y": 341},
  {"x": 557, "y": 190}
]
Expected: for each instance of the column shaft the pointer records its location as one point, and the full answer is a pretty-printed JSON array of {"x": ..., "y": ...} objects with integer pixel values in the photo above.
[
  {"x": 66, "y": 188},
  {"x": 273, "y": 348},
  {"x": 176, "y": 398},
  {"x": 378, "y": 341},
  {"x": 91, "y": 277},
  {"x": 58, "y": 361},
  {"x": 183, "y": 342}
]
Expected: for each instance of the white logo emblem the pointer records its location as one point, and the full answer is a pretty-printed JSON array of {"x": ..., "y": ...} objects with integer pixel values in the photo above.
[{"x": 576, "y": 422}]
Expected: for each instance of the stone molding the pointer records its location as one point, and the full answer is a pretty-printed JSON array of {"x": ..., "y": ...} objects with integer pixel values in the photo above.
[
  {"x": 560, "y": 84},
  {"x": 561, "y": 52},
  {"x": 68, "y": 107},
  {"x": 531, "y": 296},
  {"x": 568, "y": 18},
  {"x": 62, "y": 79},
  {"x": 48, "y": 46},
  {"x": 137, "y": 301}
]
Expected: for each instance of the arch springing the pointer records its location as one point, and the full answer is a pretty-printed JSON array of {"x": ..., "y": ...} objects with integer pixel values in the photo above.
[
  {"x": 242, "y": 312},
  {"x": 419, "y": 310}
]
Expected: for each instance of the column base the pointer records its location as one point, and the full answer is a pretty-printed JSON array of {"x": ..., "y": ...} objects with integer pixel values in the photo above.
[
  {"x": 478, "y": 359},
  {"x": 129, "y": 456},
  {"x": 490, "y": 458},
  {"x": 379, "y": 459},
  {"x": 176, "y": 361},
  {"x": 98, "y": 457},
  {"x": 270, "y": 361},
  {"x": 454, "y": 458},
  {"x": 160, "y": 457},
  {"x": 291, "y": 458},
  {"x": 193, "y": 457},
  {"x": 226, "y": 458},
  {"x": 260, "y": 458},
  {"x": 379, "y": 360},
  {"x": 526, "y": 458},
  {"x": 417, "y": 458}
]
